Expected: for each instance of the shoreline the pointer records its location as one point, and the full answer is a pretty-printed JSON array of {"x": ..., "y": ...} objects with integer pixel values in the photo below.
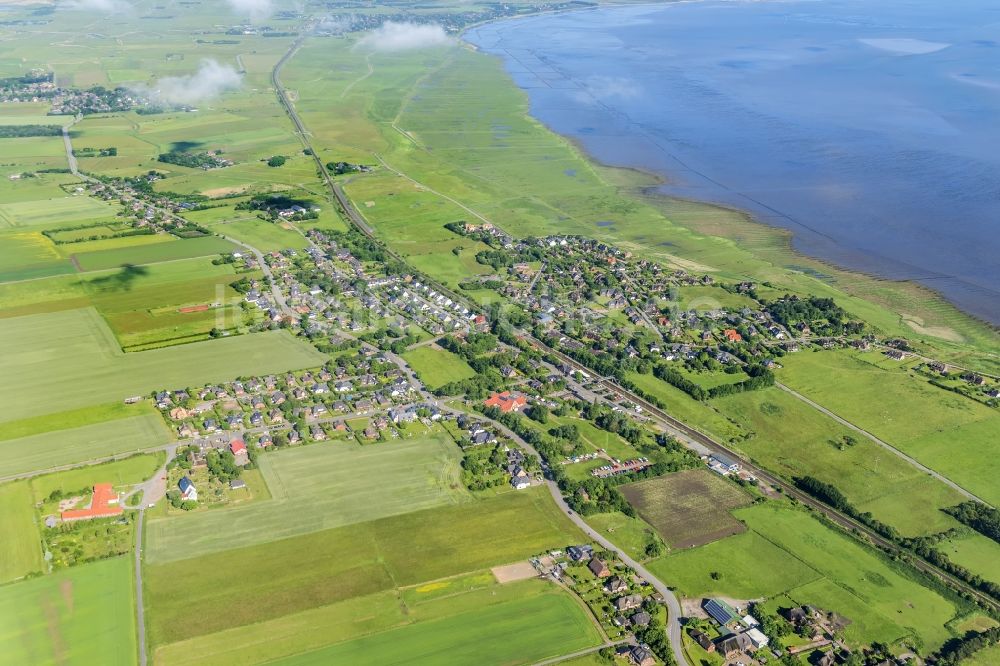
[{"x": 787, "y": 258}]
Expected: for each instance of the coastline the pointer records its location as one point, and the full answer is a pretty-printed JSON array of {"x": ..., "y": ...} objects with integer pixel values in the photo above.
[{"x": 920, "y": 309}]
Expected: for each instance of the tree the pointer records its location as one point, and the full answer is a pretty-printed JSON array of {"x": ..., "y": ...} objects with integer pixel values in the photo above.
[{"x": 277, "y": 161}]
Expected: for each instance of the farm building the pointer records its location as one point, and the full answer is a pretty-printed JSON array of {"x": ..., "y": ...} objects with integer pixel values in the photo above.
[
  {"x": 723, "y": 465},
  {"x": 721, "y": 612},
  {"x": 188, "y": 491},
  {"x": 104, "y": 504}
]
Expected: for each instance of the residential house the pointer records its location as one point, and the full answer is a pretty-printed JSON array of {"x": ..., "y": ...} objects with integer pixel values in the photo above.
[
  {"x": 733, "y": 644},
  {"x": 615, "y": 585},
  {"x": 628, "y": 602},
  {"x": 578, "y": 553},
  {"x": 641, "y": 655},
  {"x": 599, "y": 567},
  {"x": 507, "y": 401},
  {"x": 188, "y": 491}
]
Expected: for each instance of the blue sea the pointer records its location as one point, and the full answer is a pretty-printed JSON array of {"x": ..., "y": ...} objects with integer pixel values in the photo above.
[{"x": 869, "y": 128}]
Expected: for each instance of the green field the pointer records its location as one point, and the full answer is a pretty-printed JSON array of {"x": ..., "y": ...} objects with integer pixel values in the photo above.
[
  {"x": 437, "y": 367},
  {"x": 20, "y": 550},
  {"x": 786, "y": 551},
  {"x": 794, "y": 439},
  {"x": 62, "y": 212},
  {"x": 77, "y": 445},
  {"x": 75, "y": 418},
  {"x": 150, "y": 253},
  {"x": 51, "y": 358},
  {"x": 27, "y": 255},
  {"x": 953, "y": 435},
  {"x": 519, "y": 631},
  {"x": 120, "y": 473},
  {"x": 688, "y": 508},
  {"x": 81, "y": 615},
  {"x": 320, "y": 568},
  {"x": 550, "y": 624},
  {"x": 320, "y": 487}
]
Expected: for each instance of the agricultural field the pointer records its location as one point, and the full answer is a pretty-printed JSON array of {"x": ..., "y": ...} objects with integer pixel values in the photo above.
[
  {"x": 82, "y": 615},
  {"x": 320, "y": 487},
  {"x": 689, "y": 508},
  {"x": 50, "y": 356},
  {"x": 27, "y": 255},
  {"x": 139, "y": 253},
  {"x": 83, "y": 443},
  {"x": 20, "y": 549},
  {"x": 794, "y": 439},
  {"x": 56, "y": 212},
  {"x": 954, "y": 435},
  {"x": 544, "y": 619},
  {"x": 437, "y": 367},
  {"x": 339, "y": 564},
  {"x": 787, "y": 552}
]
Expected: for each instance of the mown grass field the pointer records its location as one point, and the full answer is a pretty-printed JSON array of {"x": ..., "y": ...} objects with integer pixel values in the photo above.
[
  {"x": 437, "y": 367},
  {"x": 335, "y": 632},
  {"x": 27, "y": 255},
  {"x": 945, "y": 431},
  {"x": 81, "y": 615},
  {"x": 320, "y": 568},
  {"x": 688, "y": 508},
  {"x": 320, "y": 487},
  {"x": 62, "y": 211},
  {"x": 75, "y": 418},
  {"x": 701, "y": 415},
  {"x": 83, "y": 443},
  {"x": 786, "y": 551},
  {"x": 51, "y": 357},
  {"x": 20, "y": 548}
]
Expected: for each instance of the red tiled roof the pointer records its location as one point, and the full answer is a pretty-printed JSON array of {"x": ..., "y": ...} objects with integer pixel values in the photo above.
[
  {"x": 506, "y": 401},
  {"x": 237, "y": 447},
  {"x": 103, "y": 505}
]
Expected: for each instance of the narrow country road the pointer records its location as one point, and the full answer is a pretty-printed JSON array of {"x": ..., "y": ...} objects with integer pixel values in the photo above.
[
  {"x": 886, "y": 445},
  {"x": 578, "y": 653},
  {"x": 140, "y": 610}
]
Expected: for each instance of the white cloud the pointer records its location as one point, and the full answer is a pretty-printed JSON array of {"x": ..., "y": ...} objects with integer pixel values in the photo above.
[
  {"x": 210, "y": 81},
  {"x": 257, "y": 10},
  {"x": 392, "y": 37}
]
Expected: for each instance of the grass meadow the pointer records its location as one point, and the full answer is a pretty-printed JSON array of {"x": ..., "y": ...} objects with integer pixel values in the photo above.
[
  {"x": 320, "y": 568},
  {"x": 953, "y": 435},
  {"x": 688, "y": 508},
  {"x": 20, "y": 546},
  {"x": 437, "y": 367},
  {"x": 81, "y": 615},
  {"x": 50, "y": 357},
  {"x": 319, "y": 487},
  {"x": 151, "y": 253},
  {"x": 120, "y": 473},
  {"x": 788, "y": 552}
]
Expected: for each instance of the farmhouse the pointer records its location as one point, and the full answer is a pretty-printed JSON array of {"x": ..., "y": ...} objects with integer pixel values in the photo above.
[
  {"x": 507, "y": 401},
  {"x": 734, "y": 644},
  {"x": 103, "y": 504},
  {"x": 520, "y": 483}
]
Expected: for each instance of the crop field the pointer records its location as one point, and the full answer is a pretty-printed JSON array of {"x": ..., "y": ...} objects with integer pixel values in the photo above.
[
  {"x": 688, "y": 508},
  {"x": 81, "y": 615},
  {"x": 76, "y": 445},
  {"x": 26, "y": 255},
  {"x": 120, "y": 473},
  {"x": 151, "y": 253},
  {"x": 63, "y": 211},
  {"x": 954, "y": 435},
  {"x": 347, "y": 625},
  {"x": 546, "y": 625},
  {"x": 20, "y": 548},
  {"x": 74, "y": 419},
  {"x": 437, "y": 367},
  {"x": 794, "y": 439},
  {"x": 263, "y": 235},
  {"x": 50, "y": 356},
  {"x": 338, "y": 564},
  {"x": 320, "y": 487},
  {"x": 786, "y": 551}
]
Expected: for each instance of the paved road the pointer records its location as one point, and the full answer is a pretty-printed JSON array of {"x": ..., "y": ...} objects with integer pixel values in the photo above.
[
  {"x": 139, "y": 608},
  {"x": 887, "y": 446},
  {"x": 673, "y": 605}
]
